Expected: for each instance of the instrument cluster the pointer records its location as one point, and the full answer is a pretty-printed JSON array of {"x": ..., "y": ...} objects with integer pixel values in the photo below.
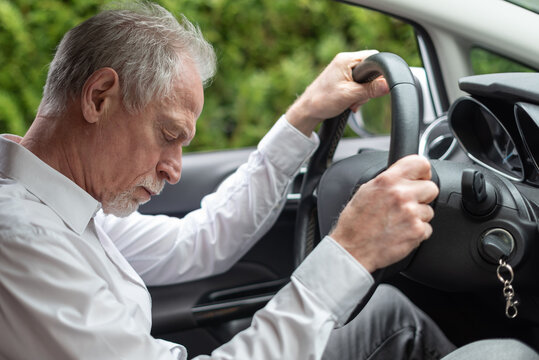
[{"x": 497, "y": 126}]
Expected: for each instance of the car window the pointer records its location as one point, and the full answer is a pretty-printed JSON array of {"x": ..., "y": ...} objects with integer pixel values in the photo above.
[
  {"x": 268, "y": 52},
  {"x": 531, "y": 5},
  {"x": 487, "y": 62},
  {"x": 262, "y": 69}
]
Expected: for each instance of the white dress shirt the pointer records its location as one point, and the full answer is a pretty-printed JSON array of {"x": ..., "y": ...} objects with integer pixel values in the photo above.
[{"x": 72, "y": 280}]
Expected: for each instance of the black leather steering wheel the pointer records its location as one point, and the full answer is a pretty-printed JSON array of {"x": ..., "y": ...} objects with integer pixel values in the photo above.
[{"x": 405, "y": 122}]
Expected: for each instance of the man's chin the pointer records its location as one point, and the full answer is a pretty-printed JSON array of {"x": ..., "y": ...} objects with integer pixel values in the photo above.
[{"x": 121, "y": 210}]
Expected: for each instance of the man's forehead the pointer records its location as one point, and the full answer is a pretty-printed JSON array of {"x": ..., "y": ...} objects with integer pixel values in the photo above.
[
  {"x": 188, "y": 100},
  {"x": 188, "y": 93}
]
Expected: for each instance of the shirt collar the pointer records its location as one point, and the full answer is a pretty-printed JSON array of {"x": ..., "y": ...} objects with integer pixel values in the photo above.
[{"x": 70, "y": 202}]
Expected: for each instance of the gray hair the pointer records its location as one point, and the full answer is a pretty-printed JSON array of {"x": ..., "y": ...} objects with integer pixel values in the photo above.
[{"x": 141, "y": 41}]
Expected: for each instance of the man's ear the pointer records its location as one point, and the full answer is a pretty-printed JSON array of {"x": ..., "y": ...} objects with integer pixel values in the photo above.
[{"x": 99, "y": 93}]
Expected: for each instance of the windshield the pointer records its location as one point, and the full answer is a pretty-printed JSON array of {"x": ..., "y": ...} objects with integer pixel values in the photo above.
[{"x": 532, "y": 5}]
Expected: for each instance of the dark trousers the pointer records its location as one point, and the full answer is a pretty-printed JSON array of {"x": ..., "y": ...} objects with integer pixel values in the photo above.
[{"x": 391, "y": 327}]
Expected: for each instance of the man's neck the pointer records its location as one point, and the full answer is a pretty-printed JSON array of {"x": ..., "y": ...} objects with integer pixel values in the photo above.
[{"x": 53, "y": 141}]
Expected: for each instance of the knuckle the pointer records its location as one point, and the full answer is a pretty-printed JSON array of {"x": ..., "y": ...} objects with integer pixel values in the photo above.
[
  {"x": 428, "y": 230},
  {"x": 409, "y": 210},
  {"x": 383, "y": 180},
  {"x": 434, "y": 188},
  {"x": 399, "y": 196},
  {"x": 419, "y": 161},
  {"x": 340, "y": 57},
  {"x": 417, "y": 228},
  {"x": 371, "y": 90},
  {"x": 430, "y": 213},
  {"x": 422, "y": 161}
]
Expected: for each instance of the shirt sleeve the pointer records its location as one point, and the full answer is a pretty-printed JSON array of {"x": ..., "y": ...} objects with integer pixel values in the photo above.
[
  {"x": 208, "y": 241},
  {"x": 297, "y": 322},
  {"x": 93, "y": 324}
]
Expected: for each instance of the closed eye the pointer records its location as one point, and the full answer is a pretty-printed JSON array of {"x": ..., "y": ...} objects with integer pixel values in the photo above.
[
  {"x": 182, "y": 137},
  {"x": 169, "y": 136}
]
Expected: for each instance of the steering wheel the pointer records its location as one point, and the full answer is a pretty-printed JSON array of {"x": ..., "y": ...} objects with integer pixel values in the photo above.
[{"x": 317, "y": 211}]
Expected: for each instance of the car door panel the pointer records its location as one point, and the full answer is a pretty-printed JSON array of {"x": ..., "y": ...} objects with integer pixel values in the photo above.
[{"x": 213, "y": 305}]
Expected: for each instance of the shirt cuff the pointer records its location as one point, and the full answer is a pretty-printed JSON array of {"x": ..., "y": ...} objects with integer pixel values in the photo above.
[
  {"x": 287, "y": 147},
  {"x": 335, "y": 277}
]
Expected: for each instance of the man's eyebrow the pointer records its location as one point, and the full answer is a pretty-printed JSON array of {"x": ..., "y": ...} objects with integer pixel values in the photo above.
[{"x": 179, "y": 130}]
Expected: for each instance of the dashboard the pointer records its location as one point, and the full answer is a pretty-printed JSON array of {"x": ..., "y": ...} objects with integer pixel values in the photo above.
[{"x": 497, "y": 125}]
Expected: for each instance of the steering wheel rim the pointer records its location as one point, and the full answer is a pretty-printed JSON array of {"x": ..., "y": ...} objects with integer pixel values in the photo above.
[{"x": 404, "y": 140}]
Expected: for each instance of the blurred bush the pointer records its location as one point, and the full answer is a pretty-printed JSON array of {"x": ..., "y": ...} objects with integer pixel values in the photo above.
[
  {"x": 268, "y": 51},
  {"x": 486, "y": 62}
]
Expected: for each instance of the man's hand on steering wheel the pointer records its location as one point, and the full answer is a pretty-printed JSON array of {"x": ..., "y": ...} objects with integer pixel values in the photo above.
[
  {"x": 388, "y": 216},
  {"x": 334, "y": 91}
]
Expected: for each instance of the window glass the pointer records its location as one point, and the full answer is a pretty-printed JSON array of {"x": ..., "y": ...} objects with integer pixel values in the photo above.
[
  {"x": 268, "y": 52},
  {"x": 531, "y": 5},
  {"x": 263, "y": 68},
  {"x": 486, "y": 62}
]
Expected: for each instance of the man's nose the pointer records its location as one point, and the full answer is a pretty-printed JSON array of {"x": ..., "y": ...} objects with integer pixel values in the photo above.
[{"x": 170, "y": 166}]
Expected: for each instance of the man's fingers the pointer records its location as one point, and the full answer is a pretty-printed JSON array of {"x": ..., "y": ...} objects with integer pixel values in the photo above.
[
  {"x": 412, "y": 167},
  {"x": 378, "y": 87},
  {"x": 425, "y": 212},
  {"x": 370, "y": 90},
  {"x": 428, "y": 231},
  {"x": 424, "y": 191},
  {"x": 353, "y": 58}
]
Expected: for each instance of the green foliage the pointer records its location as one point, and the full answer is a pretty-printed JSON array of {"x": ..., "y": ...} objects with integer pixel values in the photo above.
[
  {"x": 486, "y": 62},
  {"x": 268, "y": 51}
]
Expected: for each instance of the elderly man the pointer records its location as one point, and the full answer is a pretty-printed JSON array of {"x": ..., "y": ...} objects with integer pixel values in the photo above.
[{"x": 122, "y": 97}]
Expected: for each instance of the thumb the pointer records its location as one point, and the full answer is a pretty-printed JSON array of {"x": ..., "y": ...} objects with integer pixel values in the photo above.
[
  {"x": 378, "y": 87},
  {"x": 373, "y": 89}
]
